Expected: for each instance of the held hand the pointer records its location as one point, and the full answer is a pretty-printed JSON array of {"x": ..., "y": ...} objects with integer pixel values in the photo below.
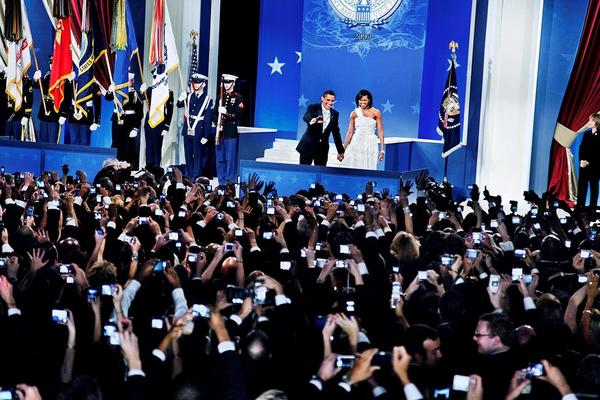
[
  {"x": 111, "y": 89},
  {"x": 583, "y": 163},
  {"x": 61, "y": 120},
  {"x": 381, "y": 155},
  {"x": 340, "y": 157},
  {"x": 24, "y": 121},
  {"x": 182, "y": 96},
  {"x": 143, "y": 88},
  {"x": 37, "y": 75},
  {"x": 94, "y": 127},
  {"x": 222, "y": 110}
]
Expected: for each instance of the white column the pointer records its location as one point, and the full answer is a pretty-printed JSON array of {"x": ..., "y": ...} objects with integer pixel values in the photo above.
[
  {"x": 213, "y": 57},
  {"x": 508, "y": 96}
]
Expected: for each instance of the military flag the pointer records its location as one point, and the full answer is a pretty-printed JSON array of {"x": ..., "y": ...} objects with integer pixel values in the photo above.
[
  {"x": 19, "y": 44},
  {"x": 124, "y": 46}
]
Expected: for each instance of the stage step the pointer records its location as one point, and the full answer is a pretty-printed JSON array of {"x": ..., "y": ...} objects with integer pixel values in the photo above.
[{"x": 284, "y": 152}]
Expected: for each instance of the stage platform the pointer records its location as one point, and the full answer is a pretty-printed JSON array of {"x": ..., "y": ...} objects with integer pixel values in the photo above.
[
  {"x": 36, "y": 157},
  {"x": 291, "y": 178}
]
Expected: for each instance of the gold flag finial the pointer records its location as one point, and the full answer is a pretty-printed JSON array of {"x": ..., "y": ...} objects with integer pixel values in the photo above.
[
  {"x": 193, "y": 35},
  {"x": 453, "y": 46}
]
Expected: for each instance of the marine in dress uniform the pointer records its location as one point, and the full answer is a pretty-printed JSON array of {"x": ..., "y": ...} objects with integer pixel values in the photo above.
[
  {"x": 197, "y": 126},
  {"x": 227, "y": 150},
  {"x": 49, "y": 119},
  {"x": 85, "y": 119},
  {"x": 127, "y": 125},
  {"x": 16, "y": 121},
  {"x": 154, "y": 136}
]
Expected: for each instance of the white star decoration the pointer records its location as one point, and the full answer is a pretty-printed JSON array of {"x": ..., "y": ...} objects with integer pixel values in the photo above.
[
  {"x": 299, "y": 54},
  {"x": 276, "y": 66},
  {"x": 416, "y": 108},
  {"x": 302, "y": 101},
  {"x": 456, "y": 65},
  {"x": 387, "y": 106}
]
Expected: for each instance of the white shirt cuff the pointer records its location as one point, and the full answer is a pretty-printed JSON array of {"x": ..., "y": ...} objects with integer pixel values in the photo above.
[
  {"x": 226, "y": 346},
  {"x": 282, "y": 299},
  {"x": 254, "y": 248},
  {"x": 570, "y": 396},
  {"x": 507, "y": 246},
  {"x": 77, "y": 200},
  {"x": 180, "y": 186},
  {"x": 232, "y": 226},
  {"x": 387, "y": 229},
  {"x": 379, "y": 233},
  {"x": 201, "y": 223},
  {"x": 326, "y": 223},
  {"x": 20, "y": 203},
  {"x": 6, "y": 248},
  {"x": 13, "y": 311},
  {"x": 287, "y": 220},
  {"x": 359, "y": 224},
  {"x": 71, "y": 222},
  {"x": 317, "y": 383},
  {"x": 159, "y": 354},
  {"x": 134, "y": 285},
  {"x": 411, "y": 392},
  {"x": 371, "y": 234},
  {"x": 345, "y": 386},
  {"x": 378, "y": 391},
  {"x": 236, "y": 318},
  {"x": 528, "y": 303},
  {"x": 284, "y": 251},
  {"x": 136, "y": 372},
  {"x": 263, "y": 319},
  {"x": 8, "y": 201}
]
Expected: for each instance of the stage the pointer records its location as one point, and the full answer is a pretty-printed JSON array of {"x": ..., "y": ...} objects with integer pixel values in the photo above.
[{"x": 36, "y": 157}]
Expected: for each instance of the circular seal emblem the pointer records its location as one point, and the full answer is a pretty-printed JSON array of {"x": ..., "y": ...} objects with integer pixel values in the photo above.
[{"x": 365, "y": 12}]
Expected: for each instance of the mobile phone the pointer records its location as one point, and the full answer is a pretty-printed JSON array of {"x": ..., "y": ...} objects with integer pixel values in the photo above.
[
  {"x": 534, "y": 370},
  {"x": 220, "y": 216},
  {"x": 92, "y": 294},
  {"x": 460, "y": 383},
  {"x": 229, "y": 246},
  {"x": 181, "y": 214},
  {"x": 236, "y": 295},
  {"x": 443, "y": 215},
  {"x": 220, "y": 192},
  {"x": 143, "y": 220},
  {"x": 59, "y": 316},
  {"x": 563, "y": 220},
  {"x": 447, "y": 259},
  {"x": 476, "y": 237},
  {"x": 536, "y": 226},
  {"x": 260, "y": 292},
  {"x": 157, "y": 323},
  {"x": 516, "y": 273},
  {"x": 169, "y": 170},
  {"x": 118, "y": 187},
  {"x": 494, "y": 283},
  {"x": 98, "y": 198},
  {"x": 494, "y": 223},
  {"x": 472, "y": 254},
  {"x": 344, "y": 249},
  {"x": 341, "y": 263},
  {"x": 64, "y": 269},
  {"x": 97, "y": 215},
  {"x": 568, "y": 244},
  {"x": 160, "y": 266},
  {"x": 582, "y": 278},
  {"x": 285, "y": 265},
  {"x": 527, "y": 278},
  {"x": 30, "y": 211},
  {"x": 99, "y": 232},
  {"x": 40, "y": 184},
  {"x": 382, "y": 359},
  {"x": 270, "y": 211},
  {"x": 441, "y": 393},
  {"x": 516, "y": 220},
  {"x": 192, "y": 258},
  {"x": 112, "y": 333},
  {"x": 345, "y": 361},
  {"x": 239, "y": 233},
  {"x": 267, "y": 235},
  {"x": 107, "y": 290},
  {"x": 360, "y": 207},
  {"x": 230, "y": 204},
  {"x": 2, "y": 262},
  {"x": 422, "y": 275},
  {"x": 320, "y": 321},
  {"x": 173, "y": 236},
  {"x": 200, "y": 310},
  {"x": 585, "y": 253},
  {"x": 320, "y": 262},
  {"x": 520, "y": 253},
  {"x": 8, "y": 394},
  {"x": 350, "y": 306},
  {"x": 92, "y": 190},
  {"x": 534, "y": 211},
  {"x": 303, "y": 252},
  {"x": 395, "y": 269}
]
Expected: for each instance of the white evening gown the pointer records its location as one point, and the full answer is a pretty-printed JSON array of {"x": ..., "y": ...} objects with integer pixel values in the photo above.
[{"x": 362, "y": 151}]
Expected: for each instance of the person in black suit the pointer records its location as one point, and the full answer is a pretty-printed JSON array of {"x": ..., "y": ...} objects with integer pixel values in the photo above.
[
  {"x": 321, "y": 120},
  {"x": 589, "y": 170}
]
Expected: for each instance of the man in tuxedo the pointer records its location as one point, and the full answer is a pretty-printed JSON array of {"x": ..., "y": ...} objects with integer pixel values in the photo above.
[{"x": 321, "y": 120}]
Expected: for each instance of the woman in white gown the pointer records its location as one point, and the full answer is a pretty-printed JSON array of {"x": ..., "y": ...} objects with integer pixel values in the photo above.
[{"x": 361, "y": 142}]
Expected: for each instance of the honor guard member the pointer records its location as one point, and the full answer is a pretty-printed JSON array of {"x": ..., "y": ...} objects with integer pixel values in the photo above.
[
  {"x": 85, "y": 117},
  {"x": 126, "y": 125},
  {"x": 197, "y": 126},
  {"x": 50, "y": 121},
  {"x": 154, "y": 136},
  {"x": 229, "y": 113},
  {"x": 18, "y": 121},
  {"x": 3, "y": 102}
]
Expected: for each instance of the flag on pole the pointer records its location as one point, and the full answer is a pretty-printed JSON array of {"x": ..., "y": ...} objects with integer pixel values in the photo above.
[
  {"x": 124, "y": 45},
  {"x": 165, "y": 61},
  {"x": 449, "y": 115},
  {"x": 85, "y": 71},
  {"x": 103, "y": 58},
  {"x": 3, "y": 48},
  {"x": 19, "y": 55},
  {"x": 194, "y": 58},
  {"x": 62, "y": 63}
]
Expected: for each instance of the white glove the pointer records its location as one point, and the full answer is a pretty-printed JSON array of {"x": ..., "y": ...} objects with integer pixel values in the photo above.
[
  {"x": 143, "y": 87},
  {"x": 203, "y": 141},
  {"x": 62, "y": 120},
  {"x": 133, "y": 133},
  {"x": 111, "y": 89},
  {"x": 71, "y": 76},
  {"x": 222, "y": 110},
  {"x": 182, "y": 96},
  {"x": 93, "y": 127},
  {"x": 24, "y": 121},
  {"x": 37, "y": 75},
  {"x": 163, "y": 133}
]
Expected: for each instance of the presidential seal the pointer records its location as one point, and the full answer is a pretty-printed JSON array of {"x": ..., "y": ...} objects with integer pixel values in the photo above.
[{"x": 374, "y": 13}]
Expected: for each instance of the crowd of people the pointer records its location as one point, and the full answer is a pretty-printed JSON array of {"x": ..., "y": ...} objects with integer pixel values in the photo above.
[{"x": 154, "y": 286}]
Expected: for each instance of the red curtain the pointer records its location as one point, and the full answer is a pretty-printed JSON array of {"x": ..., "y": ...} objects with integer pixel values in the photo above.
[{"x": 581, "y": 98}]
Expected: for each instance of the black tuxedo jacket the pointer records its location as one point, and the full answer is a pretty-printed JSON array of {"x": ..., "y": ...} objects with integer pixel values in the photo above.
[{"x": 315, "y": 140}]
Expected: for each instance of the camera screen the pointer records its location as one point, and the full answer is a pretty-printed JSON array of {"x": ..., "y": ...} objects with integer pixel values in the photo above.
[
  {"x": 586, "y": 253},
  {"x": 64, "y": 269},
  {"x": 268, "y": 235},
  {"x": 192, "y": 258},
  {"x": 344, "y": 249},
  {"x": 320, "y": 262},
  {"x": 160, "y": 266},
  {"x": 200, "y": 310},
  {"x": 517, "y": 273},
  {"x": 59, "y": 316},
  {"x": 157, "y": 323},
  {"x": 173, "y": 236},
  {"x": 520, "y": 253},
  {"x": 422, "y": 275},
  {"x": 460, "y": 383},
  {"x": 239, "y": 233},
  {"x": 534, "y": 370},
  {"x": 344, "y": 361},
  {"x": 143, "y": 220},
  {"x": 447, "y": 260},
  {"x": 340, "y": 263},
  {"x": 472, "y": 254},
  {"x": 285, "y": 265},
  {"x": 107, "y": 290},
  {"x": 229, "y": 246}
]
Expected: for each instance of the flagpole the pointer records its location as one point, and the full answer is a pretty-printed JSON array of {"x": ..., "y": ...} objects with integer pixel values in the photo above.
[
  {"x": 37, "y": 67},
  {"x": 137, "y": 53},
  {"x": 59, "y": 131},
  {"x": 112, "y": 82}
]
